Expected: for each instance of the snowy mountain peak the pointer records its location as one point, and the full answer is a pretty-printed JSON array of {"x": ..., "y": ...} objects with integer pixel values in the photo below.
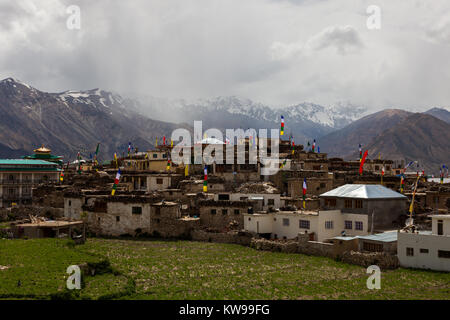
[{"x": 16, "y": 83}]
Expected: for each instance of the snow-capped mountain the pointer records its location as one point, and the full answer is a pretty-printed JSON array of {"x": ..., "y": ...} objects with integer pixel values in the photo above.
[
  {"x": 72, "y": 121},
  {"x": 304, "y": 120}
]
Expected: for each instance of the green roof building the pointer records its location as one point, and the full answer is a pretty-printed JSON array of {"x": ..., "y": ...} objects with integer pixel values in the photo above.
[
  {"x": 45, "y": 154},
  {"x": 18, "y": 176}
]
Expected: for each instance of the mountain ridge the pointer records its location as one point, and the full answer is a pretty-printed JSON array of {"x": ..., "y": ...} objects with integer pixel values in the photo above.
[{"x": 72, "y": 121}]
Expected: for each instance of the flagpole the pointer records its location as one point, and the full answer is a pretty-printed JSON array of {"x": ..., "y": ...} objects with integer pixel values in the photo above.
[{"x": 411, "y": 207}]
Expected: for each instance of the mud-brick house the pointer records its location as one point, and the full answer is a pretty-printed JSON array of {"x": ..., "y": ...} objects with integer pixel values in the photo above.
[
  {"x": 379, "y": 242},
  {"x": 215, "y": 184},
  {"x": 384, "y": 207},
  {"x": 438, "y": 197},
  {"x": 377, "y": 165},
  {"x": 171, "y": 194},
  {"x": 261, "y": 201},
  {"x": 166, "y": 221},
  {"x": 319, "y": 164},
  {"x": 161, "y": 181},
  {"x": 220, "y": 214},
  {"x": 311, "y": 203},
  {"x": 119, "y": 215},
  {"x": 317, "y": 182},
  {"x": 50, "y": 229}
]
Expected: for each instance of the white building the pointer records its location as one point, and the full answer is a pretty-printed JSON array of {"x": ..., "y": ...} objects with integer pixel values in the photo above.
[
  {"x": 425, "y": 250},
  {"x": 321, "y": 225}
]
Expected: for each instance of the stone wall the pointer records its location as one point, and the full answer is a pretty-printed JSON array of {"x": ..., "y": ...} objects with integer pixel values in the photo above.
[
  {"x": 302, "y": 245},
  {"x": 236, "y": 237},
  {"x": 381, "y": 259},
  {"x": 222, "y": 214},
  {"x": 23, "y": 212},
  {"x": 291, "y": 246}
]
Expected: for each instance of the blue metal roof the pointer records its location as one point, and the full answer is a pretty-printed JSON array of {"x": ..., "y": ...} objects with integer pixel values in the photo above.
[
  {"x": 383, "y": 237},
  {"x": 344, "y": 238},
  {"x": 26, "y": 162},
  {"x": 363, "y": 191}
]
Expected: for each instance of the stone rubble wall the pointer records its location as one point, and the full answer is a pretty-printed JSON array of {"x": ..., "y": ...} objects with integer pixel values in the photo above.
[
  {"x": 381, "y": 259},
  {"x": 236, "y": 237},
  {"x": 23, "y": 212}
]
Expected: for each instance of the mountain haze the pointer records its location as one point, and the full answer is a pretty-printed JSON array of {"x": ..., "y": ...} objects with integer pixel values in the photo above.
[
  {"x": 72, "y": 121},
  {"x": 305, "y": 120}
]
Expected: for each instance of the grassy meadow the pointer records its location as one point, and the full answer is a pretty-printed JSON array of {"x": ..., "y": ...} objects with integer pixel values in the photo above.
[{"x": 149, "y": 269}]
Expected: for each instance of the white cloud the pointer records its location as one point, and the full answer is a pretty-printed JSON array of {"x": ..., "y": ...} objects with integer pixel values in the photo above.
[
  {"x": 344, "y": 39},
  {"x": 276, "y": 52}
]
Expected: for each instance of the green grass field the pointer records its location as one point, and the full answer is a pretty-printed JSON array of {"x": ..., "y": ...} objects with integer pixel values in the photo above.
[{"x": 197, "y": 270}]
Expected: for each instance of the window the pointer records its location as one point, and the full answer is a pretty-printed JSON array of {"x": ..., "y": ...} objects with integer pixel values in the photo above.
[
  {"x": 410, "y": 252},
  {"x": 358, "y": 204},
  {"x": 330, "y": 202},
  {"x": 136, "y": 210},
  {"x": 164, "y": 155},
  {"x": 213, "y": 211},
  {"x": 328, "y": 224},
  {"x": 70, "y": 203},
  {"x": 224, "y": 211},
  {"x": 377, "y": 167},
  {"x": 117, "y": 218},
  {"x": 440, "y": 227},
  {"x": 224, "y": 197},
  {"x": 423, "y": 250},
  {"x": 304, "y": 224},
  {"x": 155, "y": 156},
  {"x": 372, "y": 247},
  {"x": 237, "y": 211},
  {"x": 348, "y": 203},
  {"x": 322, "y": 185},
  {"x": 444, "y": 254},
  {"x": 285, "y": 222},
  {"x": 159, "y": 181},
  {"x": 271, "y": 202},
  {"x": 348, "y": 224},
  {"x": 249, "y": 219},
  {"x": 157, "y": 211},
  {"x": 358, "y": 225}
]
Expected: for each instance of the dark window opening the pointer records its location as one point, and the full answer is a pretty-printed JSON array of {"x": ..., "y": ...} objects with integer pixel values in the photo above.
[{"x": 136, "y": 210}]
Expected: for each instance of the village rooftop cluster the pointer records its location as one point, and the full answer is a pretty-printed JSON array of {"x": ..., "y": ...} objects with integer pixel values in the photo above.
[{"x": 365, "y": 211}]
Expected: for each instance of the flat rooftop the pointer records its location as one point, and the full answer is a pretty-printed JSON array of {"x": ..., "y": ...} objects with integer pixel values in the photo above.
[{"x": 51, "y": 224}]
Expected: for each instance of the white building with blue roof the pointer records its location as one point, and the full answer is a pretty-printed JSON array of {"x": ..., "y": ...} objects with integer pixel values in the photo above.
[{"x": 385, "y": 208}]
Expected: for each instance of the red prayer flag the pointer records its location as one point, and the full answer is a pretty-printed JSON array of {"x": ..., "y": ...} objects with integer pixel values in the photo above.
[{"x": 362, "y": 162}]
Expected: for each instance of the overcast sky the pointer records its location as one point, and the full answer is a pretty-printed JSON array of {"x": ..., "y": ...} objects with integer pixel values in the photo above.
[{"x": 277, "y": 52}]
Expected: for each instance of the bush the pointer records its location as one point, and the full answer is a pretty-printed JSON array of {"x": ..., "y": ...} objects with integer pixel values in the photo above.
[
  {"x": 101, "y": 267},
  {"x": 70, "y": 243}
]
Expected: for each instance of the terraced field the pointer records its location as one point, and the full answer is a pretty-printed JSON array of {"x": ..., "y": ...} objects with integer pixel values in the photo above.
[{"x": 130, "y": 269}]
